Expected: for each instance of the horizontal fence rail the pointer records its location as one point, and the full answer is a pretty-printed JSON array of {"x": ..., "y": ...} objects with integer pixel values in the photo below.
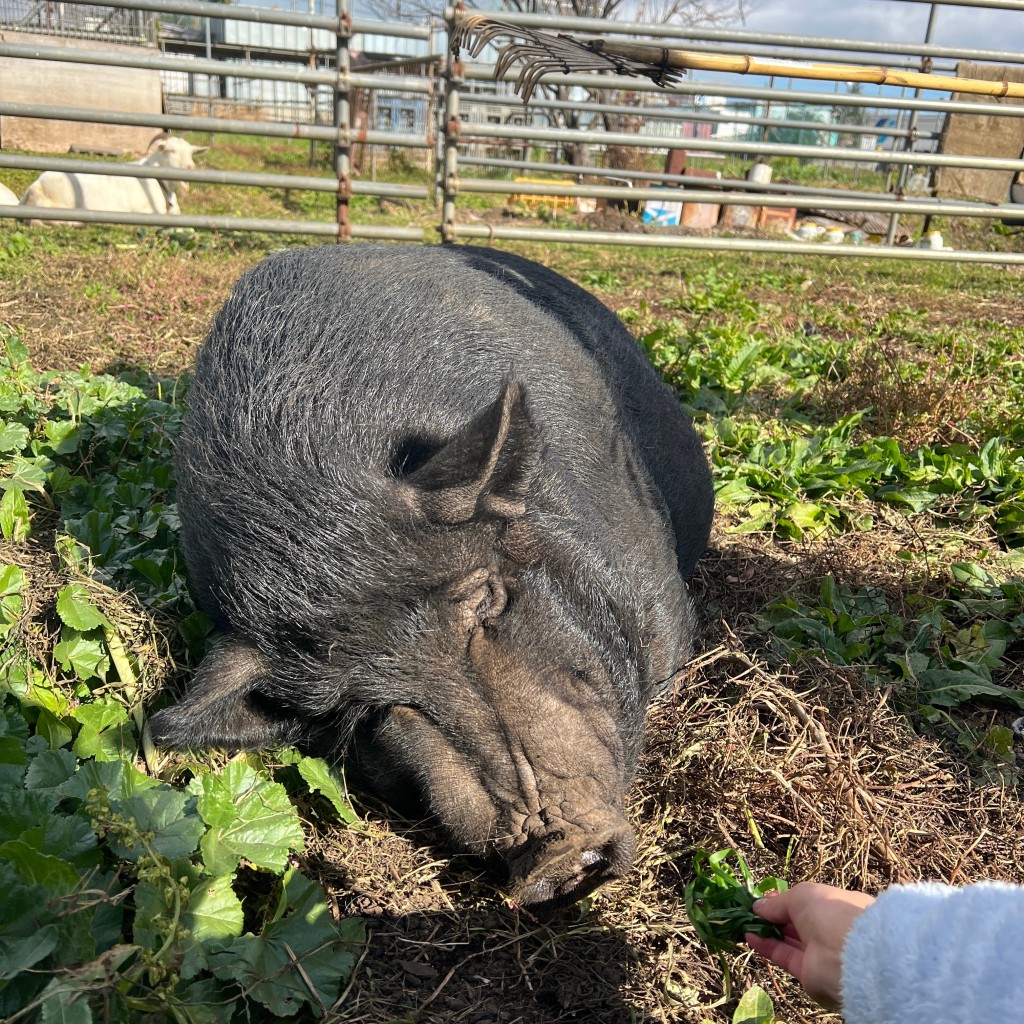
[
  {"x": 485, "y": 73},
  {"x": 249, "y": 178},
  {"x": 877, "y": 148},
  {"x": 483, "y": 186},
  {"x": 476, "y": 231},
  {"x": 172, "y": 122},
  {"x": 501, "y": 131},
  {"x": 175, "y": 221},
  {"x": 281, "y": 73},
  {"x": 275, "y": 16},
  {"x": 652, "y": 113},
  {"x": 298, "y": 131}
]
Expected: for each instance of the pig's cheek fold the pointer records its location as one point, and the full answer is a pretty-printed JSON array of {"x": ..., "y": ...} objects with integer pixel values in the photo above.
[{"x": 450, "y": 784}]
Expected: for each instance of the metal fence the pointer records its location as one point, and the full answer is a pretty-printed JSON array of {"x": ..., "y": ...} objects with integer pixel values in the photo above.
[
  {"x": 74, "y": 20},
  {"x": 865, "y": 161}
]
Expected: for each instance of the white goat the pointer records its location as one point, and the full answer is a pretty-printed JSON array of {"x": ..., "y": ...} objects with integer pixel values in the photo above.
[
  {"x": 7, "y": 197},
  {"x": 59, "y": 189}
]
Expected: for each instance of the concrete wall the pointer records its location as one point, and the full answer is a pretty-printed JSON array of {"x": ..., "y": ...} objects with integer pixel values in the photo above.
[{"x": 135, "y": 90}]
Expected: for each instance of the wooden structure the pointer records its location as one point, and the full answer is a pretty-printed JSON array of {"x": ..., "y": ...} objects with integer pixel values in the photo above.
[{"x": 983, "y": 135}]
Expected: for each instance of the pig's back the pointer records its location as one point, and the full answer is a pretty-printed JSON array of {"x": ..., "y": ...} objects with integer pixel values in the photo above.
[{"x": 353, "y": 348}]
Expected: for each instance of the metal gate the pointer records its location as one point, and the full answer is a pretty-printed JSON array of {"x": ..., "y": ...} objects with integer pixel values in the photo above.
[{"x": 478, "y": 138}]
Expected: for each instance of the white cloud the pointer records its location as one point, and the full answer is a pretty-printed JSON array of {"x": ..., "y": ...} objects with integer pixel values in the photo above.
[{"x": 891, "y": 21}]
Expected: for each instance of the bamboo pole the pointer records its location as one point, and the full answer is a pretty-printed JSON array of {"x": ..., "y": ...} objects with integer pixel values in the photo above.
[{"x": 542, "y": 52}]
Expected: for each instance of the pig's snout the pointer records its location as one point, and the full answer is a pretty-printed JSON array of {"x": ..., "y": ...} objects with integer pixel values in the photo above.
[{"x": 556, "y": 869}]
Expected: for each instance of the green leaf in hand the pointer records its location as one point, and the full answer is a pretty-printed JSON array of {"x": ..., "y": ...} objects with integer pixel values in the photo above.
[{"x": 719, "y": 900}]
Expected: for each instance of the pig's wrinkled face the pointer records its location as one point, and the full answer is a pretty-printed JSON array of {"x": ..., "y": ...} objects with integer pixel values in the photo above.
[
  {"x": 513, "y": 741},
  {"x": 488, "y": 660}
]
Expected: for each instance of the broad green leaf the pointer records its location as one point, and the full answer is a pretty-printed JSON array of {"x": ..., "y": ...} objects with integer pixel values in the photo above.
[
  {"x": 52, "y": 729},
  {"x": 249, "y": 817},
  {"x": 947, "y": 687},
  {"x": 116, "y": 779},
  {"x": 67, "y": 836},
  {"x": 29, "y": 474},
  {"x": 13, "y": 437},
  {"x": 321, "y": 778},
  {"x": 999, "y": 740},
  {"x": 15, "y": 352},
  {"x": 194, "y": 630},
  {"x": 206, "y": 1001},
  {"x": 153, "y": 904},
  {"x": 20, "y": 952},
  {"x": 40, "y": 868},
  {"x": 62, "y": 436},
  {"x": 12, "y": 579},
  {"x": 971, "y": 573},
  {"x": 214, "y": 911},
  {"x": 12, "y": 752},
  {"x": 734, "y": 492},
  {"x": 75, "y": 608},
  {"x": 265, "y": 965},
  {"x": 105, "y": 732},
  {"x": 80, "y": 656},
  {"x": 50, "y": 769},
  {"x": 21, "y": 810},
  {"x": 219, "y": 853},
  {"x": 33, "y": 687},
  {"x": 94, "y": 532},
  {"x": 755, "y": 1007},
  {"x": 807, "y": 517},
  {"x": 107, "y": 926},
  {"x": 101, "y": 714},
  {"x": 15, "y": 519},
  {"x": 65, "y": 1003},
  {"x": 164, "y": 814},
  {"x": 12, "y": 722}
]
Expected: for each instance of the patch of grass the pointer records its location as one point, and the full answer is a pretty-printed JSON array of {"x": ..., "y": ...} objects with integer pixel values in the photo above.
[
  {"x": 121, "y": 873},
  {"x": 864, "y": 429},
  {"x": 932, "y": 652}
]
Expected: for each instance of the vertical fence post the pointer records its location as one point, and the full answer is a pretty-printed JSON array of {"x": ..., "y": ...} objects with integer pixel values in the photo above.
[
  {"x": 209, "y": 78},
  {"x": 433, "y": 118},
  {"x": 908, "y": 140},
  {"x": 343, "y": 121},
  {"x": 311, "y": 91},
  {"x": 453, "y": 78}
]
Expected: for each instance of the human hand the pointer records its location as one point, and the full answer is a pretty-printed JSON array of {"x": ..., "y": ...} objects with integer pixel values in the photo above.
[{"x": 815, "y": 920}]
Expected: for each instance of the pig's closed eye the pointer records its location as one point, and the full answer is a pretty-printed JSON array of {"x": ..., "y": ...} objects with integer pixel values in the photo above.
[
  {"x": 493, "y": 601},
  {"x": 479, "y": 599}
]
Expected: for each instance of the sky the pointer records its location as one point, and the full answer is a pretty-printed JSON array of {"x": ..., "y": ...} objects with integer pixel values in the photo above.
[{"x": 891, "y": 20}]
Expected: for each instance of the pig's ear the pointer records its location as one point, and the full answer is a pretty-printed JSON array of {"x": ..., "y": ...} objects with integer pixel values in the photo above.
[
  {"x": 486, "y": 469},
  {"x": 227, "y": 705}
]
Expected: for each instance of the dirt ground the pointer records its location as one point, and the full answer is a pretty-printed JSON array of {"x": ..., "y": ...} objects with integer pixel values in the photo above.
[
  {"x": 809, "y": 774},
  {"x": 807, "y": 771}
]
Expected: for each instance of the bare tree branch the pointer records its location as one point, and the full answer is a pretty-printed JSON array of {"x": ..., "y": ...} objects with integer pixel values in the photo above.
[{"x": 655, "y": 12}]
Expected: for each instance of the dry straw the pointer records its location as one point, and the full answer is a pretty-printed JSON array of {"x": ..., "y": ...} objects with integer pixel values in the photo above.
[{"x": 542, "y": 52}]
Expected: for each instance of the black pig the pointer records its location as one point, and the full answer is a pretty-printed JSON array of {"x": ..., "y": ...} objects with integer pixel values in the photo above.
[{"x": 441, "y": 508}]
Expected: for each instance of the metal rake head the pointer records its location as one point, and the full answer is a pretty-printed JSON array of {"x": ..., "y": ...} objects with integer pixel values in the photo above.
[{"x": 542, "y": 52}]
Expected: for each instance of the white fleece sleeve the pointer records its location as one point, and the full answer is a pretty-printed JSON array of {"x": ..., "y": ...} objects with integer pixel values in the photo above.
[{"x": 929, "y": 953}]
